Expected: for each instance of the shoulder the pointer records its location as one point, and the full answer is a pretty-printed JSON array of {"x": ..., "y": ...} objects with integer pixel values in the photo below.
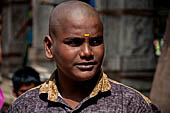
[
  {"x": 127, "y": 92},
  {"x": 132, "y": 100},
  {"x": 25, "y": 101}
]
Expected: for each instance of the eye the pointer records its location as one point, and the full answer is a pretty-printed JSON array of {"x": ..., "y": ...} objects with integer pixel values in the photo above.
[
  {"x": 74, "y": 42},
  {"x": 96, "y": 41}
]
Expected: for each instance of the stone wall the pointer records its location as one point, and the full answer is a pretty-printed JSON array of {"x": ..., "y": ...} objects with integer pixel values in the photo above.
[
  {"x": 13, "y": 48},
  {"x": 128, "y": 33}
]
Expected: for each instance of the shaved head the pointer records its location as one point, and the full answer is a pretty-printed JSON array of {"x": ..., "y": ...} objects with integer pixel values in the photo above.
[
  {"x": 76, "y": 37},
  {"x": 65, "y": 12}
]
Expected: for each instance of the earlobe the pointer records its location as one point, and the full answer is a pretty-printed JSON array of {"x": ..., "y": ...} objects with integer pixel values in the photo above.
[{"x": 48, "y": 47}]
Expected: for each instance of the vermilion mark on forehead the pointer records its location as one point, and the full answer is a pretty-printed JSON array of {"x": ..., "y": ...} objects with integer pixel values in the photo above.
[{"x": 87, "y": 35}]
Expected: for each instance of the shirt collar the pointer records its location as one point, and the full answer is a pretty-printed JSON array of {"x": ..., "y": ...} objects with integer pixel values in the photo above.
[{"x": 51, "y": 89}]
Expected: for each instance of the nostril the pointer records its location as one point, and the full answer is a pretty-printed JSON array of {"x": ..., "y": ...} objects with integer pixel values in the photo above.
[{"x": 88, "y": 58}]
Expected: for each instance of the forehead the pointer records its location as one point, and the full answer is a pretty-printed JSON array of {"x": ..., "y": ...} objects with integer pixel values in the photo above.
[
  {"x": 82, "y": 25},
  {"x": 75, "y": 19},
  {"x": 27, "y": 86}
]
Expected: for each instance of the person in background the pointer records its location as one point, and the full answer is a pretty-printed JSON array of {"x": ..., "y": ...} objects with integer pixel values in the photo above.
[
  {"x": 79, "y": 85},
  {"x": 2, "y": 102},
  {"x": 26, "y": 25},
  {"x": 0, "y": 39},
  {"x": 24, "y": 79},
  {"x": 90, "y": 2},
  {"x": 2, "y": 99}
]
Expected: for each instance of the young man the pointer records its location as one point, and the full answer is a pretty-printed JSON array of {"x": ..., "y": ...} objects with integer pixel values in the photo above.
[
  {"x": 24, "y": 79},
  {"x": 75, "y": 42}
]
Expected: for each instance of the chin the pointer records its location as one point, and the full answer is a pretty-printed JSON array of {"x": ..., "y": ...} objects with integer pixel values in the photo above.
[{"x": 86, "y": 75}]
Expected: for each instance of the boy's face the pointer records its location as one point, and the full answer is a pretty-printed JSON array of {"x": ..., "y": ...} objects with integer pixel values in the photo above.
[
  {"x": 23, "y": 89},
  {"x": 78, "y": 50}
]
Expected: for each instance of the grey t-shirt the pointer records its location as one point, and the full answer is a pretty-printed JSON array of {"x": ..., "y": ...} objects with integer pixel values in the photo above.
[{"x": 107, "y": 97}]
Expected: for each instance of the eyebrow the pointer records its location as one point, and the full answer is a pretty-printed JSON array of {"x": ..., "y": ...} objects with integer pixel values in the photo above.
[{"x": 72, "y": 38}]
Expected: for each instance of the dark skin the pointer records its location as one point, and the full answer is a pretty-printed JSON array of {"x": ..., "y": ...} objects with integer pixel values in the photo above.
[
  {"x": 23, "y": 89},
  {"x": 77, "y": 48}
]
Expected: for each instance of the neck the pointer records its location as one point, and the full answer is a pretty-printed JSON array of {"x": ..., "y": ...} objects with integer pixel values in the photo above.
[{"x": 74, "y": 92}]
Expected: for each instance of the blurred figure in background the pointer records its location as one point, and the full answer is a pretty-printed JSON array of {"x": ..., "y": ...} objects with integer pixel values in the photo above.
[
  {"x": 1, "y": 99},
  {"x": 0, "y": 40},
  {"x": 26, "y": 26},
  {"x": 90, "y": 2},
  {"x": 24, "y": 79}
]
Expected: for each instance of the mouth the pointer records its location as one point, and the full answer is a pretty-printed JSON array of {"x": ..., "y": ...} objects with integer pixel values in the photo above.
[{"x": 86, "y": 66}]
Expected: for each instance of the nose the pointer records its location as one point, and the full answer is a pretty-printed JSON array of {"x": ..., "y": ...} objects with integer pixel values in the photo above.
[{"x": 86, "y": 52}]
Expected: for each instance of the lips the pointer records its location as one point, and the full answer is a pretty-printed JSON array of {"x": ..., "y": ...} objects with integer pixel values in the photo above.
[{"x": 86, "y": 66}]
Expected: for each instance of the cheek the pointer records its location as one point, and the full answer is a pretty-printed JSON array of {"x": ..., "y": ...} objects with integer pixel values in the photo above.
[
  {"x": 99, "y": 52},
  {"x": 65, "y": 54}
]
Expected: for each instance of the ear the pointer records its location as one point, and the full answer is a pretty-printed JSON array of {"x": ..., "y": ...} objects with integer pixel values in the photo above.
[{"x": 48, "y": 47}]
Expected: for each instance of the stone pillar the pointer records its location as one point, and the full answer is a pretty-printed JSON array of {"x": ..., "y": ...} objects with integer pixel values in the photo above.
[
  {"x": 128, "y": 34},
  {"x": 41, "y": 14},
  {"x": 40, "y": 29},
  {"x": 13, "y": 49}
]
